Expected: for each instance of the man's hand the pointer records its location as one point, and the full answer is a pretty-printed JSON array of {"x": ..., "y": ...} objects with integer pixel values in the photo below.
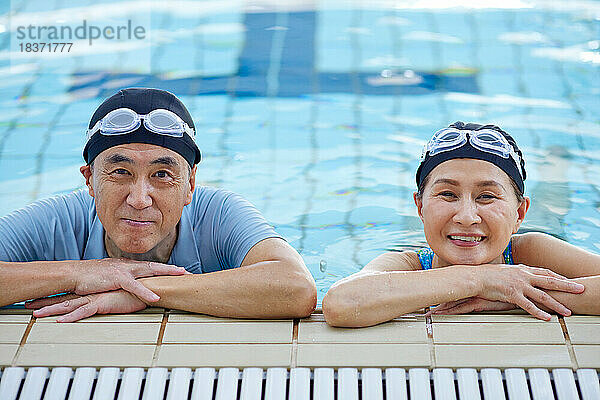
[
  {"x": 76, "y": 307},
  {"x": 95, "y": 276}
]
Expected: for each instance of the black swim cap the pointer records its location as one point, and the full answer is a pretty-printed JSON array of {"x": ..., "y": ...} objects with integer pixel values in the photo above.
[
  {"x": 142, "y": 101},
  {"x": 508, "y": 165}
]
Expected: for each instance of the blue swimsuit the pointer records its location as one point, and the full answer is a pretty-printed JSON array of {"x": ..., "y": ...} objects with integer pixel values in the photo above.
[{"x": 426, "y": 256}]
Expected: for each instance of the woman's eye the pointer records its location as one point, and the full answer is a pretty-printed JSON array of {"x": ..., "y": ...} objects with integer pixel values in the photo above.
[
  {"x": 487, "y": 196},
  {"x": 447, "y": 194}
]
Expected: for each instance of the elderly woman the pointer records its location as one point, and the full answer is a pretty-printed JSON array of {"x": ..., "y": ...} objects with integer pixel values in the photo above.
[{"x": 470, "y": 200}]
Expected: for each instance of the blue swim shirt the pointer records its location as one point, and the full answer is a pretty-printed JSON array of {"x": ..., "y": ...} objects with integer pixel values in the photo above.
[{"x": 216, "y": 231}]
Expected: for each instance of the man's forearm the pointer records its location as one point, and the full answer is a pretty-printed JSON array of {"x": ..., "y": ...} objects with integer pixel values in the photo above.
[
  {"x": 30, "y": 280},
  {"x": 263, "y": 290}
]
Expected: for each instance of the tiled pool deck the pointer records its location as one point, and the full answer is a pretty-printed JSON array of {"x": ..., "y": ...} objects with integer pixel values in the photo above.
[{"x": 168, "y": 338}]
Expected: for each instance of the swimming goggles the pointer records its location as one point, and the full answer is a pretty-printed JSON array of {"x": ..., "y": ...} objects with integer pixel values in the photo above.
[
  {"x": 124, "y": 120},
  {"x": 487, "y": 140}
]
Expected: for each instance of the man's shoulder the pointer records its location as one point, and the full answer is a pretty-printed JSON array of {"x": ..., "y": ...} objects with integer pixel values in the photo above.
[{"x": 208, "y": 196}]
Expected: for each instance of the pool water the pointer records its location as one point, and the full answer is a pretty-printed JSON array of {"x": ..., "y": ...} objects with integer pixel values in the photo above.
[{"x": 317, "y": 111}]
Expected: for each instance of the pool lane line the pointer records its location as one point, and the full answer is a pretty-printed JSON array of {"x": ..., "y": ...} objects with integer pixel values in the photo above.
[{"x": 23, "y": 340}]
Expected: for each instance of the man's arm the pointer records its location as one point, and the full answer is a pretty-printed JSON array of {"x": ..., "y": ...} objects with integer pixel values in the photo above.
[
  {"x": 272, "y": 282},
  {"x": 31, "y": 280}
]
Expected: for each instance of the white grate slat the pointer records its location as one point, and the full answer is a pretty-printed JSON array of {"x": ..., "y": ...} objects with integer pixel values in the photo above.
[
  {"x": 347, "y": 387},
  {"x": 564, "y": 382},
  {"x": 34, "y": 383},
  {"x": 588, "y": 383},
  {"x": 372, "y": 385},
  {"x": 156, "y": 380},
  {"x": 541, "y": 386},
  {"x": 81, "y": 388},
  {"x": 58, "y": 384},
  {"x": 106, "y": 384},
  {"x": 443, "y": 384},
  {"x": 516, "y": 384},
  {"x": 395, "y": 384},
  {"x": 275, "y": 387},
  {"x": 11, "y": 382},
  {"x": 300, "y": 384},
  {"x": 323, "y": 384},
  {"x": 252, "y": 384},
  {"x": 227, "y": 384},
  {"x": 204, "y": 384},
  {"x": 131, "y": 383},
  {"x": 491, "y": 381},
  {"x": 468, "y": 384},
  {"x": 179, "y": 384},
  {"x": 420, "y": 388}
]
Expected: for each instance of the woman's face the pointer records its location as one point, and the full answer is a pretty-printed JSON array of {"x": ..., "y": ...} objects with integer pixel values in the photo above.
[{"x": 469, "y": 212}]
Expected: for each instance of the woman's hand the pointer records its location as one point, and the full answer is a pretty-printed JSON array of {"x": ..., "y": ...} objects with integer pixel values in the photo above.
[
  {"x": 523, "y": 286},
  {"x": 470, "y": 304},
  {"x": 75, "y": 307}
]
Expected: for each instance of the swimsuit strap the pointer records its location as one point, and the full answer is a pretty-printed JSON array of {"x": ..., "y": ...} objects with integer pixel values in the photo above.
[
  {"x": 507, "y": 254},
  {"x": 426, "y": 256}
]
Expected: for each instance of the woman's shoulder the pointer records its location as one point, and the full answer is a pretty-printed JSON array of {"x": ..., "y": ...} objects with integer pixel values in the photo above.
[{"x": 394, "y": 261}]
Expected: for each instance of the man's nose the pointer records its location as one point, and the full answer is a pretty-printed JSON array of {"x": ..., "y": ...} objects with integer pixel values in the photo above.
[
  {"x": 139, "y": 194},
  {"x": 467, "y": 213}
]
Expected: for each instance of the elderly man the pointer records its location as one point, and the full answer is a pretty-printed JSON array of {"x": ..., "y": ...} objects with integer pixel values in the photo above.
[{"x": 121, "y": 247}]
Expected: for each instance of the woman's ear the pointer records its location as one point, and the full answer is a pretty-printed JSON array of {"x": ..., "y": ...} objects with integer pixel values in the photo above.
[
  {"x": 521, "y": 212},
  {"x": 419, "y": 203}
]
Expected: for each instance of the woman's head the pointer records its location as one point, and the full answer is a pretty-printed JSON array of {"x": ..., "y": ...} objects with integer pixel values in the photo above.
[{"x": 470, "y": 195}]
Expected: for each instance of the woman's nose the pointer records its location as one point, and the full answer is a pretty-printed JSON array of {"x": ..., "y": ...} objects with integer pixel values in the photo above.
[
  {"x": 467, "y": 213},
  {"x": 139, "y": 194}
]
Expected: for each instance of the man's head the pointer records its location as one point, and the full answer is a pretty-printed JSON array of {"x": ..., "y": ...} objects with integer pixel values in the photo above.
[{"x": 141, "y": 174}]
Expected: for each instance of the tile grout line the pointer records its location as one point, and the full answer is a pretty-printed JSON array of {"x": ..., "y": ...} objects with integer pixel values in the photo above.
[
  {"x": 23, "y": 340},
  {"x": 161, "y": 333},
  {"x": 570, "y": 349},
  {"x": 429, "y": 332},
  {"x": 294, "y": 360}
]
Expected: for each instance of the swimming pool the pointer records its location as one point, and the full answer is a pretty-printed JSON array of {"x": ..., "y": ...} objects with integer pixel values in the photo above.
[{"x": 317, "y": 111}]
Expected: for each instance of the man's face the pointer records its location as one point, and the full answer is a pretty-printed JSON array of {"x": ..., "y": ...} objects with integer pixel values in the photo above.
[{"x": 140, "y": 191}]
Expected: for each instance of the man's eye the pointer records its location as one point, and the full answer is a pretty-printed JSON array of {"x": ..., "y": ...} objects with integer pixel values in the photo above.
[
  {"x": 487, "y": 196},
  {"x": 120, "y": 171},
  {"x": 161, "y": 174}
]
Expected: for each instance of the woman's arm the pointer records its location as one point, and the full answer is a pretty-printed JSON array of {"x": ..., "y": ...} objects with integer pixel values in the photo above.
[
  {"x": 371, "y": 297},
  {"x": 543, "y": 250},
  {"x": 540, "y": 249}
]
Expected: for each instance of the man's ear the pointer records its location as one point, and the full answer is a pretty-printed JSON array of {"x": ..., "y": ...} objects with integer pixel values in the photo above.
[
  {"x": 419, "y": 204},
  {"x": 521, "y": 212},
  {"x": 86, "y": 171},
  {"x": 192, "y": 183}
]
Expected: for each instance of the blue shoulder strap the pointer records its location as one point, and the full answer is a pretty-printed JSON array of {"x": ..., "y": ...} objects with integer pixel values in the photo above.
[
  {"x": 507, "y": 254},
  {"x": 425, "y": 257}
]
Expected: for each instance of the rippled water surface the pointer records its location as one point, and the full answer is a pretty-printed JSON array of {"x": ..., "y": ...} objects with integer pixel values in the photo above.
[{"x": 317, "y": 111}]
